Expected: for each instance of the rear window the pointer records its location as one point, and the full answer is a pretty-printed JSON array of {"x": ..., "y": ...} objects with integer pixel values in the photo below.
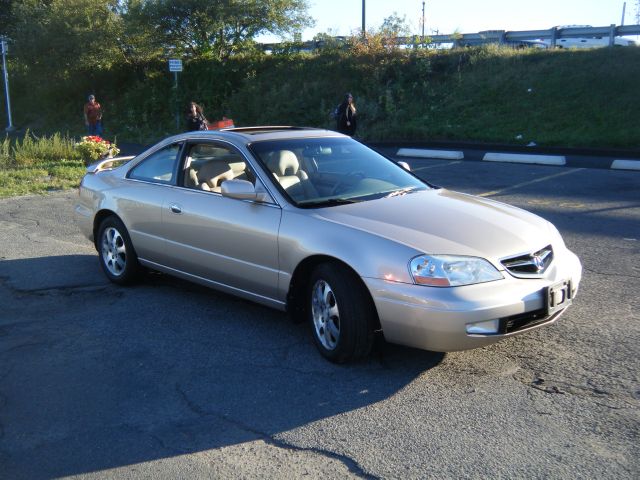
[{"x": 159, "y": 167}]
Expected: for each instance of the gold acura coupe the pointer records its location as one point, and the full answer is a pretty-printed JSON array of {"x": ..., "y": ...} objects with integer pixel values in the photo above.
[{"x": 317, "y": 224}]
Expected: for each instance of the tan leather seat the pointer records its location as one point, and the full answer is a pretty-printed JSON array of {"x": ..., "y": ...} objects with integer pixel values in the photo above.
[
  {"x": 211, "y": 175},
  {"x": 235, "y": 170},
  {"x": 286, "y": 168}
]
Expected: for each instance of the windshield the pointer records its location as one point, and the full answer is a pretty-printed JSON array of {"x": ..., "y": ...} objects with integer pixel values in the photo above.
[{"x": 315, "y": 172}]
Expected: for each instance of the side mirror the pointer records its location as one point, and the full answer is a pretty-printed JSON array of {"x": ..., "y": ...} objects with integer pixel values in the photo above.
[
  {"x": 240, "y": 189},
  {"x": 405, "y": 165}
]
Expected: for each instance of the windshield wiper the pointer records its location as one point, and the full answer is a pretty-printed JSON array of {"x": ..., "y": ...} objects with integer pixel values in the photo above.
[
  {"x": 330, "y": 202},
  {"x": 402, "y": 191}
]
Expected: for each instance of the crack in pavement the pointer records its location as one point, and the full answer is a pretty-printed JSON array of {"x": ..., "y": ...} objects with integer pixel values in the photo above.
[
  {"x": 65, "y": 290},
  {"x": 560, "y": 387},
  {"x": 352, "y": 465}
]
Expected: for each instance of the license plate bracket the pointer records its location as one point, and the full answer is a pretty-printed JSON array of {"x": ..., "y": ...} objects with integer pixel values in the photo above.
[{"x": 558, "y": 296}]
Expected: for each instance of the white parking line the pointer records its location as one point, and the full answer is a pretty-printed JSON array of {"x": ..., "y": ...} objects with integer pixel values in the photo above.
[
  {"x": 525, "y": 158},
  {"x": 422, "y": 153},
  {"x": 523, "y": 184},
  {"x": 626, "y": 165}
]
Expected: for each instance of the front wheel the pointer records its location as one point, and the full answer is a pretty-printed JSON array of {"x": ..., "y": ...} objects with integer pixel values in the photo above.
[
  {"x": 341, "y": 313},
  {"x": 118, "y": 259}
]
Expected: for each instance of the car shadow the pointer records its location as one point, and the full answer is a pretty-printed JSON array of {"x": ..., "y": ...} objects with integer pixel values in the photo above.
[{"x": 94, "y": 376}]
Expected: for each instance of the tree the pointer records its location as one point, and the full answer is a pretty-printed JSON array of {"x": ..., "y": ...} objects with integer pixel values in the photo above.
[
  {"x": 216, "y": 28},
  {"x": 66, "y": 35},
  {"x": 6, "y": 16},
  {"x": 395, "y": 26},
  {"x": 384, "y": 38}
]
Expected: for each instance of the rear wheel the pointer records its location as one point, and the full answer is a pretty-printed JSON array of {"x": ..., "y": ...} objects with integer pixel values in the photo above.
[
  {"x": 341, "y": 313},
  {"x": 118, "y": 259}
]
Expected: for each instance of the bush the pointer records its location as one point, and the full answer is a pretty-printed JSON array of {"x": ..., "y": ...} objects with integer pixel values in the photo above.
[
  {"x": 32, "y": 151},
  {"x": 5, "y": 147}
]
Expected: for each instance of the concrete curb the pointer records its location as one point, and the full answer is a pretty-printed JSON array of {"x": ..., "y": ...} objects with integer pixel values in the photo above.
[
  {"x": 525, "y": 158},
  {"x": 580, "y": 159},
  {"x": 421, "y": 153},
  {"x": 626, "y": 165}
]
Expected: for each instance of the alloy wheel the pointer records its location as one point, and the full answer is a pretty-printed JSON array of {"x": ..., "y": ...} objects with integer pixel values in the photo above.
[
  {"x": 114, "y": 252},
  {"x": 326, "y": 315}
]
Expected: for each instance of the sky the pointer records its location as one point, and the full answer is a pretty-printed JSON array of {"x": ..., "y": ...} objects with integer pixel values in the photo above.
[{"x": 341, "y": 17}]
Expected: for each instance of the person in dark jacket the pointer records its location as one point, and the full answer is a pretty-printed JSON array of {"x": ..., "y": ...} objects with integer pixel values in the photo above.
[
  {"x": 346, "y": 116},
  {"x": 195, "y": 118}
]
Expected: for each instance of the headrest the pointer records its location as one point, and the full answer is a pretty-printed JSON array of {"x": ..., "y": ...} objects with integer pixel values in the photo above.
[
  {"x": 286, "y": 163},
  {"x": 237, "y": 167}
]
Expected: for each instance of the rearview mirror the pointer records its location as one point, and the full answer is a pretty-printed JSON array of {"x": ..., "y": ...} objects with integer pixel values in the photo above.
[{"x": 405, "y": 165}]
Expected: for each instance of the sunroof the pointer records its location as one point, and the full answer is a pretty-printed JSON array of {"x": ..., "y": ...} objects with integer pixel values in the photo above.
[{"x": 265, "y": 129}]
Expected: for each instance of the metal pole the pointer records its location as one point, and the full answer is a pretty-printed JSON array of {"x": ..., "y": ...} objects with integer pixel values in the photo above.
[
  {"x": 363, "y": 22},
  {"x": 175, "y": 86},
  {"x": 6, "y": 85},
  {"x": 422, "y": 22},
  {"x": 612, "y": 35},
  {"x": 624, "y": 7}
]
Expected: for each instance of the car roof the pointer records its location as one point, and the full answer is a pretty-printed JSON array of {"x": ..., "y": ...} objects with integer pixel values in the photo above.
[{"x": 248, "y": 135}]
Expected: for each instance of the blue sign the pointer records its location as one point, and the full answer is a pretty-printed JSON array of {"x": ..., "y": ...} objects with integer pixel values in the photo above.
[{"x": 175, "y": 65}]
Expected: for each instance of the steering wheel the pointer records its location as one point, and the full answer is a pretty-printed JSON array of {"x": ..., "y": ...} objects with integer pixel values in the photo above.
[{"x": 348, "y": 180}]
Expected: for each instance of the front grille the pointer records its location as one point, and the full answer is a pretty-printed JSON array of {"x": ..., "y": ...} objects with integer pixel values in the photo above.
[
  {"x": 530, "y": 264},
  {"x": 526, "y": 320}
]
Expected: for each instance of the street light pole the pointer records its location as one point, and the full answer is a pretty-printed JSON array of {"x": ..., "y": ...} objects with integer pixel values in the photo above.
[
  {"x": 363, "y": 22},
  {"x": 6, "y": 83},
  {"x": 423, "y": 22}
]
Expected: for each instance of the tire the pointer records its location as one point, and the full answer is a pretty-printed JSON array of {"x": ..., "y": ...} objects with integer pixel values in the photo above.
[
  {"x": 117, "y": 256},
  {"x": 341, "y": 313}
]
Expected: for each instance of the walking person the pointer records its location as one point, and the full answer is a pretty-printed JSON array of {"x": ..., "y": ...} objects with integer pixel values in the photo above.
[
  {"x": 346, "y": 116},
  {"x": 195, "y": 118},
  {"x": 93, "y": 116}
]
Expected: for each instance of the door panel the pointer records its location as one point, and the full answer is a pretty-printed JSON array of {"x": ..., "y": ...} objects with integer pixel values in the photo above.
[
  {"x": 141, "y": 197},
  {"x": 229, "y": 241},
  {"x": 140, "y": 206}
]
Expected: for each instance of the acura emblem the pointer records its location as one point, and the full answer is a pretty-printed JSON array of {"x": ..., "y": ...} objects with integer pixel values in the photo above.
[{"x": 538, "y": 262}]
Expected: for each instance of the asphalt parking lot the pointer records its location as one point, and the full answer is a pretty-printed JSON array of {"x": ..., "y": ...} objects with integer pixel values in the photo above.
[{"x": 166, "y": 379}]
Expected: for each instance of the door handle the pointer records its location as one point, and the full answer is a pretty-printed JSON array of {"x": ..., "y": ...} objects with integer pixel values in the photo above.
[{"x": 175, "y": 208}]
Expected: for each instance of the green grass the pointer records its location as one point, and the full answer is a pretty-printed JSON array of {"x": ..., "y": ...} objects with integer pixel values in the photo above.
[
  {"x": 567, "y": 98},
  {"x": 38, "y": 165},
  {"x": 40, "y": 180}
]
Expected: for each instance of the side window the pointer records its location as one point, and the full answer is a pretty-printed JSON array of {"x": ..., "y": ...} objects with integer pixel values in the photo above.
[
  {"x": 208, "y": 165},
  {"x": 158, "y": 167}
]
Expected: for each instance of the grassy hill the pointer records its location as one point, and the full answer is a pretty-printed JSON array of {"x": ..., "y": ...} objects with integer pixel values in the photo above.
[{"x": 573, "y": 98}]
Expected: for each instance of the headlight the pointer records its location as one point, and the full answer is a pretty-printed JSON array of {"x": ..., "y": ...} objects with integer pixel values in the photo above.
[{"x": 452, "y": 271}]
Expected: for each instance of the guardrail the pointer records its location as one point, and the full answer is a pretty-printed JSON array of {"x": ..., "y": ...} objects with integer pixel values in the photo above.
[{"x": 495, "y": 36}]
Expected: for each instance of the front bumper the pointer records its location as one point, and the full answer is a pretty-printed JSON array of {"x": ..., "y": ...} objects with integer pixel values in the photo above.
[{"x": 433, "y": 318}]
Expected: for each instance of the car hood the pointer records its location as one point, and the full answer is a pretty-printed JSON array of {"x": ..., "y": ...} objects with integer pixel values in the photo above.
[{"x": 444, "y": 222}]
